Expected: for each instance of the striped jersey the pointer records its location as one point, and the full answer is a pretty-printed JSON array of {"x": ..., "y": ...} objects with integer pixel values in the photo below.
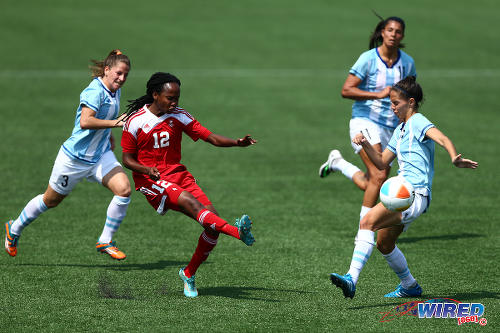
[
  {"x": 375, "y": 75},
  {"x": 156, "y": 141},
  {"x": 88, "y": 145},
  {"x": 415, "y": 152}
]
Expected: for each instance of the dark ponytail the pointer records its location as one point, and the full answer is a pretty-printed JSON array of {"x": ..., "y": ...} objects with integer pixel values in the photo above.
[
  {"x": 376, "y": 36},
  {"x": 409, "y": 88},
  {"x": 156, "y": 84}
]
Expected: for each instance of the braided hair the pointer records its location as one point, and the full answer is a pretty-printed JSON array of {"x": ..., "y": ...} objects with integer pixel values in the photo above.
[
  {"x": 376, "y": 36},
  {"x": 113, "y": 58},
  {"x": 156, "y": 83}
]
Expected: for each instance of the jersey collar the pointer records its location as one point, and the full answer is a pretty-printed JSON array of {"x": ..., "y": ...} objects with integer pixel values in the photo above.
[
  {"x": 395, "y": 62},
  {"x": 113, "y": 94}
]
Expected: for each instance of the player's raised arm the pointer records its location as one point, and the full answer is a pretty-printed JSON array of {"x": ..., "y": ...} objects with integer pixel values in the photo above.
[
  {"x": 441, "y": 139},
  {"x": 221, "y": 141}
]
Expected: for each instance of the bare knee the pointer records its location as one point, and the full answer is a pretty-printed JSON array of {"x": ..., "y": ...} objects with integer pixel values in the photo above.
[
  {"x": 367, "y": 222},
  {"x": 123, "y": 191},
  {"x": 117, "y": 182},
  {"x": 189, "y": 204},
  {"x": 52, "y": 201},
  {"x": 385, "y": 247}
]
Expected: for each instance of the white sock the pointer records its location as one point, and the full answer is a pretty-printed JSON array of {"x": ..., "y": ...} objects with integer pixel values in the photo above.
[
  {"x": 31, "y": 211},
  {"x": 397, "y": 262},
  {"x": 348, "y": 169},
  {"x": 117, "y": 210},
  {"x": 362, "y": 251},
  {"x": 363, "y": 211}
]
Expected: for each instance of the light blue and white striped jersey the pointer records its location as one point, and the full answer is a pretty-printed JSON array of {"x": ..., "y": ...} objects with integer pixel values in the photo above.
[
  {"x": 88, "y": 145},
  {"x": 415, "y": 152},
  {"x": 375, "y": 75}
]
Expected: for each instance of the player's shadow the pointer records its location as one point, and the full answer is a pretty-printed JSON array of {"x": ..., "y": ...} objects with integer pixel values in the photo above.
[
  {"x": 245, "y": 293},
  {"x": 161, "y": 264},
  {"x": 439, "y": 237}
]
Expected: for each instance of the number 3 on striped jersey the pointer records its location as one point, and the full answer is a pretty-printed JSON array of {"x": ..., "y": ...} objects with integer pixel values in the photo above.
[{"x": 164, "y": 137}]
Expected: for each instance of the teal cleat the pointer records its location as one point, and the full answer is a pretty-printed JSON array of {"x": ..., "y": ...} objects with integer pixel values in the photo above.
[
  {"x": 244, "y": 226},
  {"x": 415, "y": 291},
  {"x": 189, "y": 287},
  {"x": 345, "y": 283}
]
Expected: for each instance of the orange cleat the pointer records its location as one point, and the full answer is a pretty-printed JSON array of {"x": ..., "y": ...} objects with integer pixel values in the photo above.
[
  {"x": 111, "y": 249},
  {"x": 10, "y": 240}
]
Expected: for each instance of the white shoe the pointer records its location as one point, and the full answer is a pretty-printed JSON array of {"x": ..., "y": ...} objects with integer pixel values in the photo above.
[{"x": 326, "y": 168}]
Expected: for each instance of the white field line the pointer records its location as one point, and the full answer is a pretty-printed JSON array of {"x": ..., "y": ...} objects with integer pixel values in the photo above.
[{"x": 244, "y": 73}]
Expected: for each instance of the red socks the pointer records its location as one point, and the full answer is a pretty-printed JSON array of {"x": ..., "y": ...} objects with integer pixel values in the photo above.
[
  {"x": 209, "y": 220},
  {"x": 206, "y": 243}
]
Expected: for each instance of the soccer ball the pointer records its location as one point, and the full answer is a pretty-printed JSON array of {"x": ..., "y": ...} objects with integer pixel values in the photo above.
[{"x": 397, "y": 194}]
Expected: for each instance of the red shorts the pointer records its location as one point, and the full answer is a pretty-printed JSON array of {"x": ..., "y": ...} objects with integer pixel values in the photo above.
[{"x": 164, "y": 193}]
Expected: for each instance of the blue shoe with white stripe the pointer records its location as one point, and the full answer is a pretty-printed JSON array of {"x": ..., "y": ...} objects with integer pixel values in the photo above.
[
  {"x": 345, "y": 283},
  {"x": 189, "y": 286},
  {"x": 415, "y": 291},
  {"x": 244, "y": 225}
]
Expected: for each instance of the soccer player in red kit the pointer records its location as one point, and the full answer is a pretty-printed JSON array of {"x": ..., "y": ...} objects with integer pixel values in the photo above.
[{"x": 151, "y": 145}]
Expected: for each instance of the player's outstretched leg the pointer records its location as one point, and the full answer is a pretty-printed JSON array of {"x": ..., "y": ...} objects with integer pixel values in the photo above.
[
  {"x": 414, "y": 291},
  {"x": 240, "y": 230},
  {"x": 345, "y": 283},
  {"x": 110, "y": 249},
  {"x": 326, "y": 168},
  {"x": 10, "y": 240},
  {"x": 244, "y": 225},
  {"x": 189, "y": 285}
]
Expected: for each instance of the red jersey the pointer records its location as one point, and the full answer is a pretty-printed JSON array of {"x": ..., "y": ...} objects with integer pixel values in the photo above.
[{"x": 156, "y": 141}]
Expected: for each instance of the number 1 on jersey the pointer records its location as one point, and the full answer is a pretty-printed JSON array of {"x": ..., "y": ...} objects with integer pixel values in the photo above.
[{"x": 164, "y": 137}]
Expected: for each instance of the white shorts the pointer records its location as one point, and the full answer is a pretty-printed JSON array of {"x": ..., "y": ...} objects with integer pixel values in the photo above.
[
  {"x": 373, "y": 132},
  {"x": 68, "y": 172},
  {"x": 417, "y": 208}
]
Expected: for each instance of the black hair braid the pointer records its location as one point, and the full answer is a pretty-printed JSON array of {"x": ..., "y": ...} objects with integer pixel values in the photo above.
[{"x": 156, "y": 84}]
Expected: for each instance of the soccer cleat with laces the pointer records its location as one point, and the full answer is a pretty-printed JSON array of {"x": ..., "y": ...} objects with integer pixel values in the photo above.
[
  {"x": 111, "y": 249},
  {"x": 244, "y": 225},
  {"x": 10, "y": 240},
  {"x": 326, "y": 168},
  {"x": 415, "y": 291},
  {"x": 345, "y": 283},
  {"x": 189, "y": 286}
]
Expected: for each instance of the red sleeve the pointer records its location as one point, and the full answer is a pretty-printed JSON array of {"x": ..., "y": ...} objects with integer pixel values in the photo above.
[
  {"x": 196, "y": 131},
  {"x": 128, "y": 143}
]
